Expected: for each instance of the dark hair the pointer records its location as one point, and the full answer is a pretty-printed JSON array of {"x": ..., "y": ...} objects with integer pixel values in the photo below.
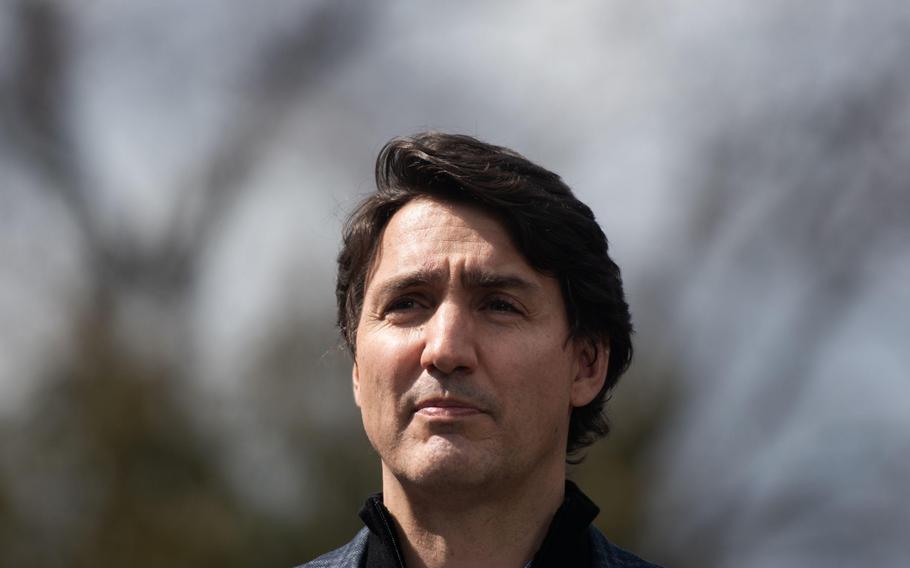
[{"x": 556, "y": 233}]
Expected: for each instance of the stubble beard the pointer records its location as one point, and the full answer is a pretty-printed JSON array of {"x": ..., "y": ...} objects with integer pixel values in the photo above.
[{"x": 447, "y": 464}]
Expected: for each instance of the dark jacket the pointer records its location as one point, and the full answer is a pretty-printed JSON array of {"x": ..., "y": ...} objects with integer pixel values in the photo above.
[
  {"x": 604, "y": 554},
  {"x": 571, "y": 540}
]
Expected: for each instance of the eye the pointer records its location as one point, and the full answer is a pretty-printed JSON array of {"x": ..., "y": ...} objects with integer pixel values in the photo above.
[
  {"x": 402, "y": 305},
  {"x": 406, "y": 310},
  {"x": 501, "y": 305}
]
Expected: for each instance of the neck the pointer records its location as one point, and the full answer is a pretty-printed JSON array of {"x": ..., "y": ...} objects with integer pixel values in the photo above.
[{"x": 478, "y": 526}]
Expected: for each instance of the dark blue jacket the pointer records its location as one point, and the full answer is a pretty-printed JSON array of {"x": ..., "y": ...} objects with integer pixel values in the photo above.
[{"x": 604, "y": 554}]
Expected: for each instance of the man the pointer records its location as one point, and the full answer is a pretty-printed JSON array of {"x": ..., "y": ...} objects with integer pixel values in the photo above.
[{"x": 487, "y": 324}]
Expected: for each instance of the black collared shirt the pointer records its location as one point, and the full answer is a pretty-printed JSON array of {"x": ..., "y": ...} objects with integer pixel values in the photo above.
[{"x": 567, "y": 542}]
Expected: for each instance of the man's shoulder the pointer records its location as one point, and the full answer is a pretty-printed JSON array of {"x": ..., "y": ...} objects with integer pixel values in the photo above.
[
  {"x": 349, "y": 555},
  {"x": 606, "y": 554}
]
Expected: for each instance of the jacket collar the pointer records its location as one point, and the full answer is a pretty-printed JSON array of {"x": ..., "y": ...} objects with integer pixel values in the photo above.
[{"x": 566, "y": 542}]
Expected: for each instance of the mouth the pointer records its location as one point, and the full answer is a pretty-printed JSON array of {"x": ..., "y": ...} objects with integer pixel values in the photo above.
[{"x": 446, "y": 408}]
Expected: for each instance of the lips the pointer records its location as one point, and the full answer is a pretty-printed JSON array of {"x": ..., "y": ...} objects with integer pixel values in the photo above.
[{"x": 446, "y": 408}]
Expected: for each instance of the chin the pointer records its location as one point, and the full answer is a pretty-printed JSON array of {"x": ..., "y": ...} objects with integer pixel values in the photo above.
[{"x": 445, "y": 464}]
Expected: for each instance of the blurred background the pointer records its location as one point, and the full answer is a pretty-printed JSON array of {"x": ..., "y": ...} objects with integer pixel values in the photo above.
[{"x": 174, "y": 175}]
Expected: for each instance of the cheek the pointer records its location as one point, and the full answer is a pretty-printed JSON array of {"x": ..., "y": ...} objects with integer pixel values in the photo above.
[
  {"x": 383, "y": 346},
  {"x": 387, "y": 366},
  {"x": 541, "y": 379},
  {"x": 377, "y": 410}
]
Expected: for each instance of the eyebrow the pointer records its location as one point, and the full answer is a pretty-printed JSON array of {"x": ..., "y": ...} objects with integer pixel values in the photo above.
[
  {"x": 485, "y": 279},
  {"x": 471, "y": 279}
]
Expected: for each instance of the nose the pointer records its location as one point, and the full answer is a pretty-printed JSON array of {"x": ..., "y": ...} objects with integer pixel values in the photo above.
[{"x": 449, "y": 343}]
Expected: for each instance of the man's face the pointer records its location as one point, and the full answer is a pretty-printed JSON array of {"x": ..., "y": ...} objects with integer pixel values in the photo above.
[{"x": 464, "y": 372}]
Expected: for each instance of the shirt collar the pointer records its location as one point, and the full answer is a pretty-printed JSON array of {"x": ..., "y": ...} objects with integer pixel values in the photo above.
[{"x": 566, "y": 542}]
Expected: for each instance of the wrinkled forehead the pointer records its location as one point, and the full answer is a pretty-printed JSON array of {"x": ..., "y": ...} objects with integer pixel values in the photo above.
[{"x": 426, "y": 232}]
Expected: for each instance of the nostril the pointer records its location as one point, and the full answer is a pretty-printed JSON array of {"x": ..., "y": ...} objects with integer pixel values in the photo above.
[{"x": 441, "y": 373}]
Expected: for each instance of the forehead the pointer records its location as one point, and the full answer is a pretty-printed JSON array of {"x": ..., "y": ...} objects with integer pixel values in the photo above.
[{"x": 427, "y": 232}]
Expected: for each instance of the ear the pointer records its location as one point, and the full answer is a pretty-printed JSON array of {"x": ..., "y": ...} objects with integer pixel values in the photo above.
[
  {"x": 355, "y": 380},
  {"x": 591, "y": 358}
]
